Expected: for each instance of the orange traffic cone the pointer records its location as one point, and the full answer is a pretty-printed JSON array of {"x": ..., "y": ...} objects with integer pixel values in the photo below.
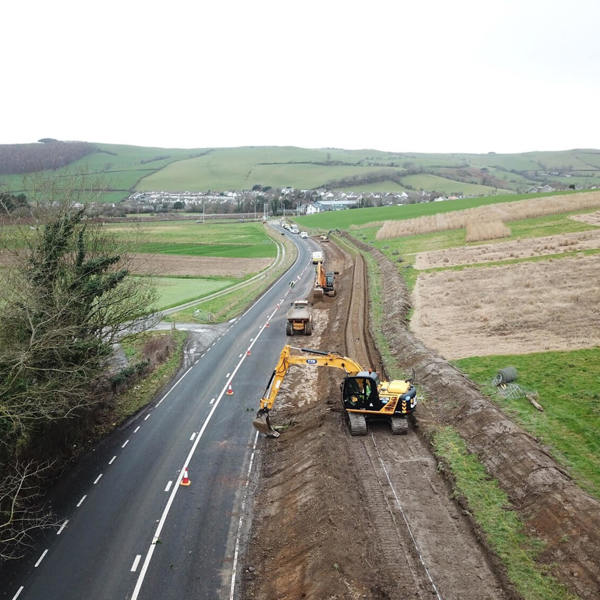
[
  {"x": 248, "y": 353},
  {"x": 185, "y": 480},
  {"x": 267, "y": 324},
  {"x": 229, "y": 391}
]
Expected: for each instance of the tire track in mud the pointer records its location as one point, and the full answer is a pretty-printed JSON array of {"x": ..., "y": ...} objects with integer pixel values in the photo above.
[{"x": 425, "y": 540}]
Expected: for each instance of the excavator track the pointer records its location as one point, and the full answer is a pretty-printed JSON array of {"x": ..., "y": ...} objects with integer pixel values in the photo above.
[
  {"x": 358, "y": 424},
  {"x": 399, "y": 425}
]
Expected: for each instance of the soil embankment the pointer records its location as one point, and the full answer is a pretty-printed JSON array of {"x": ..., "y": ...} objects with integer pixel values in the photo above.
[
  {"x": 554, "y": 509},
  {"x": 344, "y": 517}
]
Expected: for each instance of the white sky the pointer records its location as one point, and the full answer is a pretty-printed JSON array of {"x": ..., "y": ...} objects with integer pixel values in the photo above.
[{"x": 400, "y": 75}]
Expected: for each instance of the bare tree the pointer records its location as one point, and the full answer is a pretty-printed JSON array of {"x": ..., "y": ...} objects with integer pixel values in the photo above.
[
  {"x": 20, "y": 510},
  {"x": 65, "y": 297}
]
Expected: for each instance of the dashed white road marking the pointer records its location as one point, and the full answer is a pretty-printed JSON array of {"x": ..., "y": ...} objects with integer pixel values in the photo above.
[
  {"x": 168, "y": 486},
  {"x": 81, "y": 501},
  {"x": 18, "y": 593},
  {"x": 212, "y": 401},
  {"x": 240, "y": 356},
  {"x": 62, "y": 527},
  {"x": 41, "y": 558},
  {"x": 228, "y": 374},
  {"x": 112, "y": 460},
  {"x": 136, "y": 562},
  {"x": 192, "y": 436},
  {"x": 137, "y": 429},
  {"x": 97, "y": 479},
  {"x": 147, "y": 416},
  {"x": 125, "y": 443}
]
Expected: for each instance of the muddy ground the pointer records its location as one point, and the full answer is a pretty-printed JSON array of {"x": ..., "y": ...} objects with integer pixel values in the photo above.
[
  {"x": 337, "y": 517},
  {"x": 332, "y": 510},
  {"x": 553, "y": 508},
  {"x": 520, "y": 248},
  {"x": 513, "y": 309}
]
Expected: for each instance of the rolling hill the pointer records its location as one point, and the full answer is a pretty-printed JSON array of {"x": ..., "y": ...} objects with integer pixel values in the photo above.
[{"x": 121, "y": 169}]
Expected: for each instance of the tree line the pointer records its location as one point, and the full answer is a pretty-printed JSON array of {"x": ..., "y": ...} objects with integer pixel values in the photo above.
[
  {"x": 52, "y": 154},
  {"x": 65, "y": 298}
]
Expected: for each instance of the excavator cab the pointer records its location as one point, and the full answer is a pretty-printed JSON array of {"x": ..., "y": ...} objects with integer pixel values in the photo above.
[{"x": 360, "y": 391}]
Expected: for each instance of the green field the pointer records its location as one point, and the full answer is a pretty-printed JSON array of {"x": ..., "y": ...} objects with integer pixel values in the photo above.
[
  {"x": 568, "y": 384},
  {"x": 122, "y": 169},
  {"x": 178, "y": 290},
  {"x": 346, "y": 219},
  {"x": 247, "y": 240},
  {"x": 447, "y": 186},
  {"x": 115, "y": 168}
]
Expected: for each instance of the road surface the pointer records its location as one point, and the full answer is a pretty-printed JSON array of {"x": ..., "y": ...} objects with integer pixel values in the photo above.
[{"x": 128, "y": 529}]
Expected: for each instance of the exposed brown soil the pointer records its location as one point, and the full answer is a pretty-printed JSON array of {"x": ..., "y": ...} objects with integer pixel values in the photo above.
[
  {"x": 164, "y": 264},
  {"x": 513, "y": 309},
  {"x": 329, "y": 521},
  {"x": 553, "y": 508},
  {"x": 330, "y": 511},
  {"x": 521, "y": 248}
]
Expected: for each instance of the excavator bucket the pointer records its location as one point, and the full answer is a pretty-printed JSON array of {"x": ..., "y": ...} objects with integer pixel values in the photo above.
[
  {"x": 317, "y": 293},
  {"x": 263, "y": 424}
]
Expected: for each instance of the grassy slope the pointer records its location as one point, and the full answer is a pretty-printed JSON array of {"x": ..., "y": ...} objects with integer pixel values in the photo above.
[
  {"x": 118, "y": 168},
  {"x": 121, "y": 167},
  {"x": 235, "y": 168},
  {"x": 568, "y": 384}
]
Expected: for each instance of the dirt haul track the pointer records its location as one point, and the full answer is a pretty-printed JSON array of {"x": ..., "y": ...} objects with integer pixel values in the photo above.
[{"x": 344, "y": 517}]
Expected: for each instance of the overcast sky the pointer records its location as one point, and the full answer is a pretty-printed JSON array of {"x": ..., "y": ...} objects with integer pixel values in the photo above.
[{"x": 399, "y": 75}]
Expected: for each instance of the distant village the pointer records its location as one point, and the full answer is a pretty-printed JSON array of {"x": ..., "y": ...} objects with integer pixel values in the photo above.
[{"x": 265, "y": 201}]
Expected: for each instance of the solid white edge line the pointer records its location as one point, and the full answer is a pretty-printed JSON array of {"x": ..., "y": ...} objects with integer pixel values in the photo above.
[
  {"x": 81, "y": 501},
  {"x": 240, "y": 522},
  {"x": 136, "y": 562},
  {"x": 112, "y": 460},
  {"x": 41, "y": 558},
  {"x": 18, "y": 593},
  {"x": 97, "y": 479},
  {"x": 62, "y": 527},
  {"x": 168, "y": 487},
  {"x": 140, "y": 579},
  {"x": 163, "y": 518}
]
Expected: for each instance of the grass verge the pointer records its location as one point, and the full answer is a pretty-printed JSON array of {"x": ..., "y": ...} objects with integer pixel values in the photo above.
[
  {"x": 568, "y": 387},
  {"x": 141, "y": 393},
  {"x": 503, "y": 529}
]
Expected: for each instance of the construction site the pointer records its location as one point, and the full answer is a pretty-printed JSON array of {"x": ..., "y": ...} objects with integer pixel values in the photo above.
[{"x": 341, "y": 516}]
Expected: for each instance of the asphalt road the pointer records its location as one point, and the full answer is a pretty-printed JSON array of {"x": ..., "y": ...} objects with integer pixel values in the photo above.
[{"x": 129, "y": 530}]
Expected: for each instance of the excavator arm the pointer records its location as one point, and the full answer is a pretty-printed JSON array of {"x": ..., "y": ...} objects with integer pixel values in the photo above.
[{"x": 287, "y": 358}]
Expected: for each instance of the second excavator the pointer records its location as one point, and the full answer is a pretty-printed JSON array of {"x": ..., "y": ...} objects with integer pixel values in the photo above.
[{"x": 364, "y": 396}]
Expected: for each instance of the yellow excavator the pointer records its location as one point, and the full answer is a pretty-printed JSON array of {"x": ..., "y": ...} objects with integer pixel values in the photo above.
[
  {"x": 324, "y": 281},
  {"x": 364, "y": 396}
]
